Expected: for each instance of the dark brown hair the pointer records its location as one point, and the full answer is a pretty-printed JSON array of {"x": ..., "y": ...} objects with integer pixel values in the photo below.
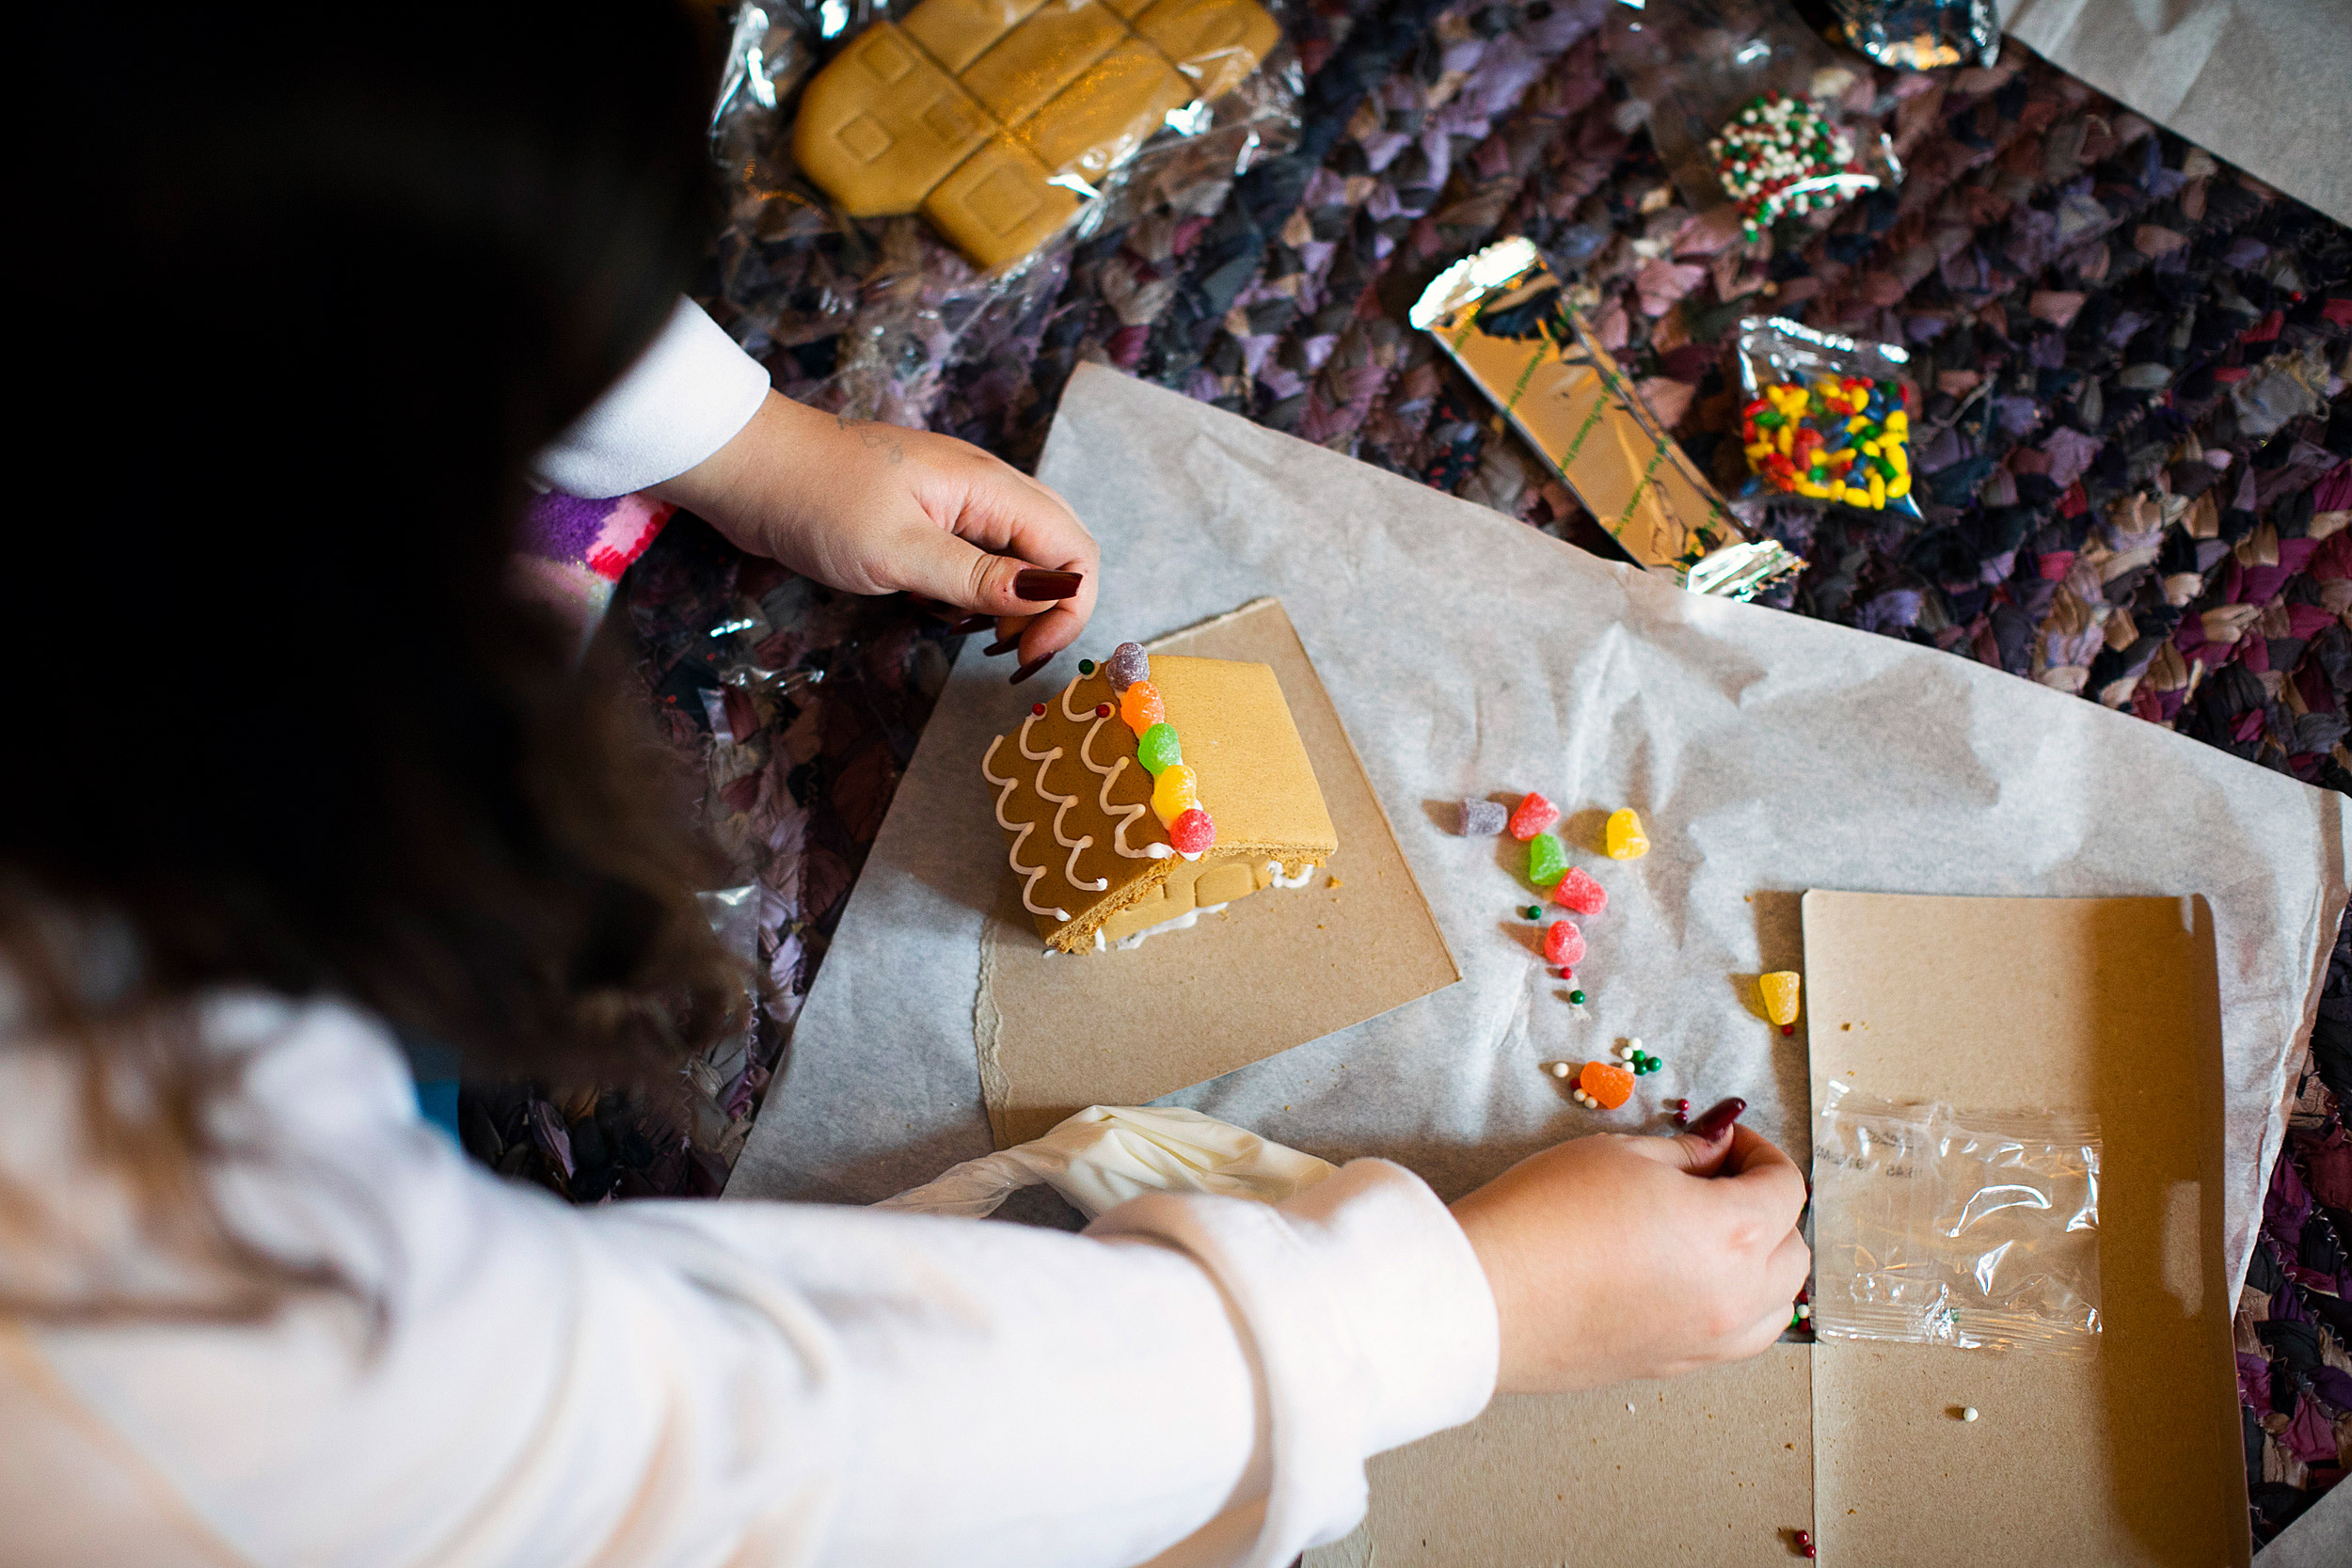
[{"x": 316, "y": 286}]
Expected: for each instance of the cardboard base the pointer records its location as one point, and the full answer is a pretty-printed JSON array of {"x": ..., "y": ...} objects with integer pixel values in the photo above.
[{"x": 1056, "y": 1034}]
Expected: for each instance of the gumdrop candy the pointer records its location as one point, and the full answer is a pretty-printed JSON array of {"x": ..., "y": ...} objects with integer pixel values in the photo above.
[
  {"x": 1139, "y": 708},
  {"x": 1129, "y": 664},
  {"x": 1625, "y": 838},
  {"x": 1534, "y": 815},
  {"x": 1545, "y": 859},
  {"x": 1177, "y": 792},
  {"x": 1563, "y": 944},
  {"x": 1158, "y": 749},
  {"x": 1192, "y": 833},
  {"x": 1781, "y": 989},
  {"x": 1482, "y": 818},
  {"x": 1579, "y": 891},
  {"x": 1609, "y": 1085}
]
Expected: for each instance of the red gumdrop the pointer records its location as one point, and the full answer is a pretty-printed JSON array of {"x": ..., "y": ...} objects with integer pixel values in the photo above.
[
  {"x": 1579, "y": 891},
  {"x": 1192, "y": 831},
  {"x": 1534, "y": 815},
  {"x": 1563, "y": 944}
]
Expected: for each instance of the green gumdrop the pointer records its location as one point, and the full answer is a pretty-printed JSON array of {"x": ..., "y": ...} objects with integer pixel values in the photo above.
[
  {"x": 1158, "y": 748},
  {"x": 1547, "y": 863}
]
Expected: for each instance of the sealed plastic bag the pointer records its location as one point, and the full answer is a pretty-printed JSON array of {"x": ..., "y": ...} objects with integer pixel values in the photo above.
[
  {"x": 1699, "y": 68},
  {"x": 1107, "y": 1154},
  {"x": 1824, "y": 419},
  {"x": 1921, "y": 35},
  {"x": 911, "y": 179},
  {"x": 1939, "y": 1227}
]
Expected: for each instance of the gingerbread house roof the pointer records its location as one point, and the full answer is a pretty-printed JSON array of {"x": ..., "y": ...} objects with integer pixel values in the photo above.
[{"x": 1075, "y": 801}]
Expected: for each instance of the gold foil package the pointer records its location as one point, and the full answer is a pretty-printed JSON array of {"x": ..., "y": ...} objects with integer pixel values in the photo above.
[{"x": 1506, "y": 320}]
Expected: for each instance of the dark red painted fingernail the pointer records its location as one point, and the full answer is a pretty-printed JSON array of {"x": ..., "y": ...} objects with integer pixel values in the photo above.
[
  {"x": 1716, "y": 1119},
  {"x": 970, "y": 623},
  {"x": 1039, "y": 587},
  {"x": 1002, "y": 645},
  {"x": 1030, "y": 669}
]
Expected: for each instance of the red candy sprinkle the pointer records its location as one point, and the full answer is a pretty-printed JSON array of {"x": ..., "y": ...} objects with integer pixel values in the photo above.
[
  {"x": 1192, "y": 831},
  {"x": 1563, "y": 944},
  {"x": 1102, "y": 710},
  {"x": 1534, "y": 815},
  {"x": 1038, "y": 708},
  {"x": 1579, "y": 891}
]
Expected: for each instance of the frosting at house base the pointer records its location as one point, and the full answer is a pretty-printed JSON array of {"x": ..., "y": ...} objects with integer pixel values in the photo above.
[{"x": 1098, "y": 858}]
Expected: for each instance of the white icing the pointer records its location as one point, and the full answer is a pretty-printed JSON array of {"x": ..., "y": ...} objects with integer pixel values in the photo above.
[
  {"x": 1013, "y": 855},
  {"x": 1193, "y": 857},
  {"x": 1103, "y": 799},
  {"x": 1074, "y": 715},
  {"x": 1069, "y": 871},
  {"x": 1184, "y": 922},
  {"x": 1161, "y": 851},
  {"x": 1274, "y": 871}
]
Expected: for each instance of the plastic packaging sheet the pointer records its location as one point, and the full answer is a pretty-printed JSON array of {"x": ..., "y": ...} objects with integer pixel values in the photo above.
[
  {"x": 1693, "y": 65},
  {"x": 1470, "y": 656},
  {"x": 1012, "y": 147},
  {"x": 1943, "y": 1227}
]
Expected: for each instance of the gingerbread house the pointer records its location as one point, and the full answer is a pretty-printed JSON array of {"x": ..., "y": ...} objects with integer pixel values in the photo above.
[{"x": 1151, "y": 791}]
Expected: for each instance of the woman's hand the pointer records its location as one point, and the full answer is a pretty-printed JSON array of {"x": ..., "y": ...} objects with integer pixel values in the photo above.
[
  {"x": 874, "y": 509},
  {"x": 1614, "y": 1258}
]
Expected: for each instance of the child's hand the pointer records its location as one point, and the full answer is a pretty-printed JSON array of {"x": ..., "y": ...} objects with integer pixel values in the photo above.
[
  {"x": 1616, "y": 1256},
  {"x": 874, "y": 509}
]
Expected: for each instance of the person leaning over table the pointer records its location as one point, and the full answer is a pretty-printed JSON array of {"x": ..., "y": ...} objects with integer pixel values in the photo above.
[{"x": 300, "y": 775}]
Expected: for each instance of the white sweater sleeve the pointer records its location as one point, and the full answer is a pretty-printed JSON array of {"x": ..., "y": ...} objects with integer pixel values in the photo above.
[
  {"x": 685, "y": 398},
  {"x": 1195, "y": 1382}
]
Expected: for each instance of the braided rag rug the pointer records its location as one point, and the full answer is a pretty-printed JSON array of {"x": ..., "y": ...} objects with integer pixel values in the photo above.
[{"x": 2133, "y": 459}]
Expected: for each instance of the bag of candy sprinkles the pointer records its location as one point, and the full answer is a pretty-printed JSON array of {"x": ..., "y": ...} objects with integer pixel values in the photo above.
[
  {"x": 1746, "y": 105},
  {"x": 1824, "y": 419}
]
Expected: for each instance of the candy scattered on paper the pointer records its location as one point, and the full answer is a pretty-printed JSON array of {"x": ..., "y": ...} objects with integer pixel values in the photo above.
[
  {"x": 1139, "y": 708},
  {"x": 1129, "y": 664},
  {"x": 1606, "y": 1084},
  {"x": 1533, "y": 911},
  {"x": 1561, "y": 1069},
  {"x": 1158, "y": 748},
  {"x": 1534, "y": 815},
  {"x": 1563, "y": 944},
  {"x": 1482, "y": 818},
  {"x": 1780, "y": 990},
  {"x": 1576, "y": 999},
  {"x": 1192, "y": 831},
  {"x": 1177, "y": 792},
  {"x": 1624, "y": 836},
  {"x": 1545, "y": 859},
  {"x": 1580, "y": 893}
]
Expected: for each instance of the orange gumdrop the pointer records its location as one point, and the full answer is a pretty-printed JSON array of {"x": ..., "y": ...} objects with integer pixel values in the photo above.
[
  {"x": 1609, "y": 1085},
  {"x": 1139, "y": 708}
]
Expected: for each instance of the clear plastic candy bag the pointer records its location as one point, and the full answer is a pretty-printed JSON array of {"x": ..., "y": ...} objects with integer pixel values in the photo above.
[
  {"x": 1970, "y": 1230},
  {"x": 1921, "y": 35},
  {"x": 1695, "y": 67},
  {"x": 1823, "y": 418}
]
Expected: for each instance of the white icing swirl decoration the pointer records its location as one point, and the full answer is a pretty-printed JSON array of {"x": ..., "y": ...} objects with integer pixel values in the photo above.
[{"x": 1032, "y": 873}]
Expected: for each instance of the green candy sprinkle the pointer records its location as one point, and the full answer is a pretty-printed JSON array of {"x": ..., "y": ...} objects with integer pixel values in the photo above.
[
  {"x": 1085, "y": 667},
  {"x": 1577, "y": 997},
  {"x": 1547, "y": 861},
  {"x": 1158, "y": 748},
  {"x": 1533, "y": 911}
]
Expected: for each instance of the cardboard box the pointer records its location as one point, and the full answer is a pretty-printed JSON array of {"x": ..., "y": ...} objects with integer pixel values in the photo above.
[{"x": 2130, "y": 1454}]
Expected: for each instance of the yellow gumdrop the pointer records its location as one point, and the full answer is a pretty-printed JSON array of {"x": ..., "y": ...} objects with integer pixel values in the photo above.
[
  {"x": 1780, "y": 991},
  {"x": 1177, "y": 792},
  {"x": 1139, "y": 708},
  {"x": 1624, "y": 836}
]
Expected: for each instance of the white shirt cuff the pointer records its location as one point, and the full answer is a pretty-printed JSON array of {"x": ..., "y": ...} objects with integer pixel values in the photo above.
[
  {"x": 685, "y": 398},
  {"x": 1370, "y": 1319}
]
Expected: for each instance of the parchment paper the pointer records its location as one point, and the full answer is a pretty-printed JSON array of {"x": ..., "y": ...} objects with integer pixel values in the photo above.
[
  {"x": 2258, "y": 82},
  {"x": 1469, "y": 654}
]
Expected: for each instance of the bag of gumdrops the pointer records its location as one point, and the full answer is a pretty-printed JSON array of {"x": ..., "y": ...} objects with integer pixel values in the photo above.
[{"x": 1824, "y": 419}]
